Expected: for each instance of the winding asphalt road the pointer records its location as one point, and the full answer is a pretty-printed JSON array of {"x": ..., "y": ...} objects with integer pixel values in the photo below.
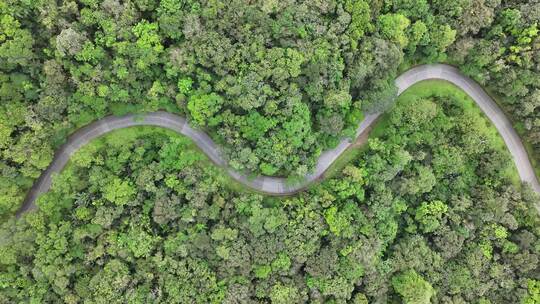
[{"x": 280, "y": 186}]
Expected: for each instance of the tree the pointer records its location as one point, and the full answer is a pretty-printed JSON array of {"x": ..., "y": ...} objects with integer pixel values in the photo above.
[
  {"x": 148, "y": 45},
  {"x": 430, "y": 214},
  {"x": 281, "y": 294},
  {"x": 138, "y": 241},
  {"x": 360, "y": 20},
  {"x": 441, "y": 38},
  {"x": 174, "y": 154},
  {"x": 204, "y": 107},
  {"x": 412, "y": 287},
  {"x": 69, "y": 42},
  {"x": 109, "y": 282},
  {"x": 393, "y": 27},
  {"x": 418, "y": 35},
  {"x": 477, "y": 15},
  {"x": 256, "y": 125},
  {"x": 118, "y": 191},
  {"x": 16, "y": 44},
  {"x": 533, "y": 292}
]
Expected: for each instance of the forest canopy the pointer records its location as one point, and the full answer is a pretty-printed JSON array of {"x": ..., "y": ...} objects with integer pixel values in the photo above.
[
  {"x": 424, "y": 215},
  {"x": 429, "y": 211}
]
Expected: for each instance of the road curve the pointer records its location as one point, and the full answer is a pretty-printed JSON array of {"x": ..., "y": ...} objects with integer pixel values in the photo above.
[{"x": 280, "y": 186}]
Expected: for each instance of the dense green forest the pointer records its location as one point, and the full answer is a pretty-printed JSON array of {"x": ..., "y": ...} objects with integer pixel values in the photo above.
[
  {"x": 423, "y": 215},
  {"x": 274, "y": 82},
  {"x": 429, "y": 210}
]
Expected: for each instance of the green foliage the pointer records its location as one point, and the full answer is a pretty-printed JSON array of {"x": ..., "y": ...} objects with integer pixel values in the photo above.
[
  {"x": 443, "y": 37},
  {"x": 429, "y": 215},
  {"x": 15, "y": 44},
  {"x": 220, "y": 234},
  {"x": 338, "y": 221},
  {"x": 268, "y": 169},
  {"x": 143, "y": 202},
  {"x": 360, "y": 298},
  {"x": 412, "y": 288},
  {"x": 360, "y": 20},
  {"x": 185, "y": 85},
  {"x": 256, "y": 126},
  {"x": 487, "y": 249},
  {"x": 138, "y": 242},
  {"x": 262, "y": 272},
  {"x": 148, "y": 44},
  {"x": 533, "y": 292},
  {"x": 266, "y": 220},
  {"x": 393, "y": 27},
  {"x": 118, "y": 191},
  {"x": 281, "y": 263},
  {"x": 281, "y": 294},
  {"x": 112, "y": 279},
  {"x": 140, "y": 217},
  {"x": 176, "y": 154},
  {"x": 203, "y": 107}
]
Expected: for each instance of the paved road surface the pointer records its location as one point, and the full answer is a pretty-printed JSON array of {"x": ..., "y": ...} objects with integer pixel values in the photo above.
[{"x": 279, "y": 186}]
